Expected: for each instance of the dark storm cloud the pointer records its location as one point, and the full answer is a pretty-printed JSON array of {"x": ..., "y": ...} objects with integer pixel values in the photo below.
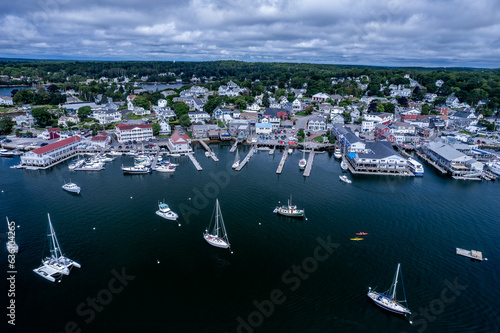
[{"x": 390, "y": 32}]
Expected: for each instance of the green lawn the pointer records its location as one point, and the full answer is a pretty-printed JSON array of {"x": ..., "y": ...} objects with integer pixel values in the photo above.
[
  {"x": 303, "y": 114},
  {"x": 318, "y": 139},
  {"x": 133, "y": 116}
]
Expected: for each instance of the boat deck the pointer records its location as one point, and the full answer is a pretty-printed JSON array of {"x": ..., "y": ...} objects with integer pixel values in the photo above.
[{"x": 473, "y": 254}]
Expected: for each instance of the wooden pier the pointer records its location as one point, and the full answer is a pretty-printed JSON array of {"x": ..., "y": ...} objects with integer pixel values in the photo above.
[
  {"x": 271, "y": 152},
  {"x": 309, "y": 165},
  {"x": 195, "y": 162},
  {"x": 207, "y": 148},
  {"x": 235, "y": 145},
  {"x": 246, "y": 159},
  {"x": 283, "y": 160},
  {"x": 155, "y": 160}
]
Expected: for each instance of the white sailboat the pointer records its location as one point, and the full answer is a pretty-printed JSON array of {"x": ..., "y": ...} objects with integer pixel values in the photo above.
[
  {"x": 388, "y": 300},
  {"x": 12, "y": 246},
  {"x": 56, "y": 265},
  {"x": 236, "y": 160},
  {"x": 217, "y": 236}
]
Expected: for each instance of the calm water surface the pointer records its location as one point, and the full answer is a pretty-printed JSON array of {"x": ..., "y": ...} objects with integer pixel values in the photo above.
[{"x": 178, "y": 283}]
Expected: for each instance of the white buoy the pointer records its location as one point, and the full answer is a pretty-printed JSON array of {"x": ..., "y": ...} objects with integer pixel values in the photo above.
[
  {"x": 189, "y": 198},
  {"x": 93, "y": 228},
  {"x": 259, "y": 223},
  {"x": 130, "y": 197},
  {"x": 157, "y": 261}
]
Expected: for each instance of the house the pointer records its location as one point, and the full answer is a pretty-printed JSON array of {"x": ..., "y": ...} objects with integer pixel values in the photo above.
[
  {"x": 201, "y": 131},
  {"x": 64, "y": 120},
  {"x": 464, "y": 119},
  {"x": 452, "y": 102},
  {"x": 320, "y": 97},
  {"x": 428, "y": 97},
  {"x": 381, "y": 130},
  {"x": 367, "y": 125},
  {"x": 50, "y": 133},
  {"x": 239, "y": 127},
  {"x": 297, "y": 106},
  {"x": 402, "y": 128},
  {"x": 439, "y": 83},
  {"x": 316, "y": 124},
  {"x": 325, "y": 109},
  {"x": 164, "y": 113},
  {"x": 273, "y": 114},
  {"x": 43, "y": 157},
  {"x": 5, "y": 100},
  {"x": 25, "y": 120},
  {"x": 101, "y": 140},
  {"x": 179, "y": 143},
  {"x": 162, "y": 103},
  {"x": 254, "y": 107},
  {"x": 165, "y": 128},
  {"x": 383, "y": 118},
  {"x": 231, "y": 89},
  {"x": 219, "y": 113},
  {"x": 140, "y": 132},
  {"x": 337, "y": 119},
  {"x": 442, "y": 109},
  {"x": 198, "y": 116},
  {"x": 140, "y": 111},
  {"x": 107, "y": 115},
  {"x": 130, "y": 102},
  {"x": 263, "y": 128},
  {"x": 252, "y": 117}
]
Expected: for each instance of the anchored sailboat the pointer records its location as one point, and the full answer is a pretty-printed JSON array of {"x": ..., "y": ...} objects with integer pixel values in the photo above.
[
  {"x": 388, "y": 300},
  {"x": 236, "y": 160},
  {"x": 217, "y": 236},
  {"x": 57, "y": 265},
  {"x": 303, "y": 161}
]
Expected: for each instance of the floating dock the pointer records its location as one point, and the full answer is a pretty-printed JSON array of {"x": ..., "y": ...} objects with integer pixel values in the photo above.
[
  {"x": 195, "y": 162},
  {"x": 283, "y": 160},
  {"x": 473, "y": 254},
  {"x": 155, "y": 160},
  {"x": 271, "y": 152},
  {"x": 246, "y": 159},
  {"x": 233, "y": 148},
  {"x": 309, "y": 164},
  {"x": 207, "y": 148}
]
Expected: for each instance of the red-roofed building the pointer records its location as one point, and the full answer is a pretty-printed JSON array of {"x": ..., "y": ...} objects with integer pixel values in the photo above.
[
  {"x": 142, "y": 132},
  {"x": 51, "y": 133},
  {"x": 100, "y": 140},
  {"x": 52, "y": 154},
  {"x": 179, "y": 143}
]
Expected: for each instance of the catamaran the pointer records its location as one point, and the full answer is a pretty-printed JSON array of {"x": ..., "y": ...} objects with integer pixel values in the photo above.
[
  {"x": 217, "y": 236},
  {"x": 165, "y": 212},
  {"x": 388, "y": 300},
  {"x": 12, "y": 247},
  {"x": 57, "y": 265},
  {"x": 289, "y": 210},
  {"x": 236, "y": 161}
]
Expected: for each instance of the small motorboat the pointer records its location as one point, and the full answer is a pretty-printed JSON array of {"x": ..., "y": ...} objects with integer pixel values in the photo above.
[
  {"x": 361, "y": 233},
  {"x": 345, "y": 179},
  {"x": 357, "y": 239}
]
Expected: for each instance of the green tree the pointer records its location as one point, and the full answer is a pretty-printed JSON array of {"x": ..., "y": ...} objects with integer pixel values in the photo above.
[
  {"x": 156, "y": 129},
  {"x": 389, "y": 107},
  {"x": 308, "y": 110},
  {"x": 380, "y": 108},
  {"x": 6, "y": 125},
  {"x": 184, "y": 120},
  {"x": 42, "y": 116},
  {"x": 84, "y": 112},
  {"x": 426, "y": 109},
  {"x": 141, "y": 101},
  {"x": 181, "y": 109}
]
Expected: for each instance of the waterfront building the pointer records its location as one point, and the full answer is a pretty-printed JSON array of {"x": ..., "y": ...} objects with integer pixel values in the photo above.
[
  {"x": 378, "y": 157},
  {"x": 141, "y": 132},
  {"x": 50, "y": 133},
  {"x": 6, "y": 100},
  {"x": 51, "y": 154},
  {"x": 179, "y": 143},
  {"x": 101, "y": 140},
  {"x": 316, "y": 124},
  {"x": 198, "y": 116},
  {"x": 263, "y": 128}
]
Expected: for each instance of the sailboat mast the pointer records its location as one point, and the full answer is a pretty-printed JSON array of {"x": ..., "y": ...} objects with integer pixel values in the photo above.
[
  {"x": 55, "y": 243},
  {"x": 217, "y": 217},
  {"x": 395, "y": 283}
]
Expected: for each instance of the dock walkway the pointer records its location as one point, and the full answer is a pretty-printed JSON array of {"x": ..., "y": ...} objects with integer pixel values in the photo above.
[
  {"x": 155, "y": 160},
  {"x": 235, "y": 145},
  {"x": 283, "y": 160},
  {"x": 207, "y": 148},
  {"x": 246, "y": 159},
  {"x": 309, "y": 165},
  {"x": 195, "y": 162}
]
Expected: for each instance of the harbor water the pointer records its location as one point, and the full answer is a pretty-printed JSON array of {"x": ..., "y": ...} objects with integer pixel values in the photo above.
[{"x": 141, "y": 273}]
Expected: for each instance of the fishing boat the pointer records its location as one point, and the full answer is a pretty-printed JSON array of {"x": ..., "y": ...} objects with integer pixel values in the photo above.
[
  {"x": 361, "y": 233},
  {"x": 78, "y": 164},
  {"x": 289, "y": 210},
  {"x": 345, "y": 179},
  {"x": 357, "y": 239},
  {"x": 207, "y": 154},
  {"x": 290, "y": 151},
  {"x": 236, "y": 161},
  {"x": 337, "y": 153},
  {"x": 6, "y": 153},
  {"x": 71, "y": 187},
  {"x": 388, "y": 300},
  {"x": 135, "y": 170},
  {"x": 165, "y": 212},
  {"x": 115, "y": 153},
  {"x": 12, "y": 246},
  {"x": 217, "y": 236},
  {"x": 56, "y": 265},
  {"x": 165, "y": 168},
  {"x": 303, "y": 161}
]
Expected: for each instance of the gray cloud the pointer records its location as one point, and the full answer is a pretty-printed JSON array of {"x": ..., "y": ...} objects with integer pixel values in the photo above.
[{"x": 387, "y": 32}]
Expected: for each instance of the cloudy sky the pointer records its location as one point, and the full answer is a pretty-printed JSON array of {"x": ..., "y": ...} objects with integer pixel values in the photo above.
[{"x": 370, "y": 32}]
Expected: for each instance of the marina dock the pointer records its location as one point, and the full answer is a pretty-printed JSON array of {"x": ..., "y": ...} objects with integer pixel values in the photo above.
[
  {"x": 283, "y": 160},
  {"x": 233, "y": 148},
  {"x": 309, "y": 165},
  {"x": 271, "y": 152},
  {"x": 473, "y": 254},
  {"x": 431, "y": 162},
  {"x": 207, "y": 148},
  {"x": 246, "y": 159},
  {"x": 195, "y": 162},
  {"x": 155, "y": 160}
]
